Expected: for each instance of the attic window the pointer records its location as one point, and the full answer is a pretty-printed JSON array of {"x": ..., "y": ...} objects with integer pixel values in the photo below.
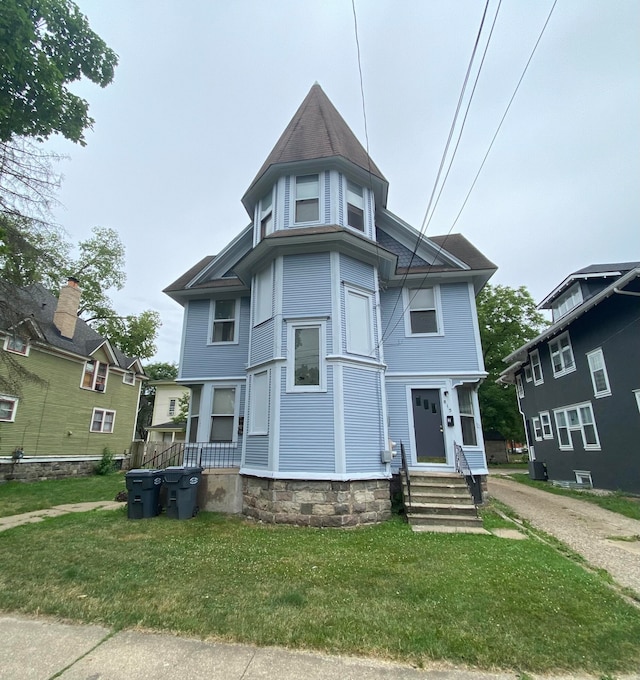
[
  {"x": 14, "y": 343},
  {"x": 307, "y": 198},
  {"x": 565, "y": 303},
  {"x": 129, "y": 378},
  {"x": 355, "y": 206},
  {"x": 95, "y": 376}
]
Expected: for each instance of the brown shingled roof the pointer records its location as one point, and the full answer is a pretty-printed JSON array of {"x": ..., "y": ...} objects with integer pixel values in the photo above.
[
  {"x": 181, "y": 283},
  {"x": 317, "y": 130},
  {"x": 459, "y": 247}
]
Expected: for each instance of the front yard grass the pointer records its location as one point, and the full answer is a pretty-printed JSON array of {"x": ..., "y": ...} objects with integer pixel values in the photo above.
[
  {"x": 380, "y": 591},
  {"x": 19, "y": 497},
  {"x": 623, "y": 504}
]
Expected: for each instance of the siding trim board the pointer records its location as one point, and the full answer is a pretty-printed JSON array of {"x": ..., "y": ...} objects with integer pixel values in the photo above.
[{"x": 320, "y": 476}]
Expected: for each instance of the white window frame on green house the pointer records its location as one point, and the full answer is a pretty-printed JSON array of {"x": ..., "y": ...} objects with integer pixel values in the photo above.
[
  {"x": 102, "y": 424},
  {"x": 536, "y": 367},
  {"x": 545, "y": 422},
  {"x": 263, "y": 296},
  {"x": 577, "y": 418},
  {"x": 359, "y": 329},
  {"x": 8, "y": 413},
  {"x": 217, "y": 321},
  {"x": 561, "y": 352},
  {"x": 307, "y": 196},
  {"x": 417, "y": 302},
  {"x": 129, "y": 378},
  {"x": 537, "y": 428},
  {"x": 295, "y": 381},
  {"x": 259, "y": 386},
  {"x": 229, "y": 416},
  {"x": 96, "y": 378},
  {"x": 599, "y": 375},
  {"x": 355, "y": 206},
  {"x": 17, "y": 345}
]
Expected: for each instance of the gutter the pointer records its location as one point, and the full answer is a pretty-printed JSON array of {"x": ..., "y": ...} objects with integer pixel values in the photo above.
[{"x": 626, "y": 292}]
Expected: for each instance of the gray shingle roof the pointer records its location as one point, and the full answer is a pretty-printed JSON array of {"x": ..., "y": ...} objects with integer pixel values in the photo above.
[
  {"x": 317, "y": 130},
  {"x": 621, "y": 267}
]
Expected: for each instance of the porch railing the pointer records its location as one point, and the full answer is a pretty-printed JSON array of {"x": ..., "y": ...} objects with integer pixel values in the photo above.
[
  {"x": 463, "y": 467},
  {"x": 193, "y": 454}
]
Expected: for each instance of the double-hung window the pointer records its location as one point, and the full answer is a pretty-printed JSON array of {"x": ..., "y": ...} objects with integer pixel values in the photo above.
[
  {"x": 355, "y": 206},
  {"x": 16, "y": 344},
  {"x": 423, "y": 311},
  {"x": 8, "y": 407},
  {"x": 95, "y": 376},
  {"x": 224, "y": 324},
  {"x": 266, "y": 215},
  {"x": 359, "y": 328},
  {"x": 599, "y": 376},
  {"x": 527, "y": 373},
  {"x": 519, "y": 386},
  {"x": 536, "y": 367},
  {"x": 306, "y": 361},
  {"x": 545, "y": 421},
  {"x": 172, "y": 407},
  {"x": 307, "y": 198},
  {"x": 263, "y": 296},
  {"x": 102, "y": 420},
  {"x": 129, "y": 378},
  {"x": 577, "y": 418},
  {"x": 223, "y": 415},
  {"x": 467, "y": 416},
  {"x": 194, "y": 412},
  {"x": 561, "y": 355},
  {"x": 537, "y": 428}
]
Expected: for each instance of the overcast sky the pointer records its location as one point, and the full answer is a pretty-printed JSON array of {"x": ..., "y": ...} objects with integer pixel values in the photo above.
[{"x": 204, "y": 88}]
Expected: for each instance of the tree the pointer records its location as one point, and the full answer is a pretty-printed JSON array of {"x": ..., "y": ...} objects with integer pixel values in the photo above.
[
  {"x": 183, "y": 409},
  {"x": 508, "y": 318},
  {"x": 44, "y": 46},
  {"x": 157, "y": 371}
]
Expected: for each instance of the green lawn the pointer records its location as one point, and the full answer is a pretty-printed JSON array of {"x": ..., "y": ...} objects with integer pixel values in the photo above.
[
  {"x": 619, "y": 502},
  {"x": 380, "y": 591},
  {"x": 19, "y": 497}
]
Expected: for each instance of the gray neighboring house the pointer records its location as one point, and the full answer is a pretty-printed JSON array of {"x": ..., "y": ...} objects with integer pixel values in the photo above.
[
  {"x": 578, "y": 382},
  {"x": 327, "y": 329}
]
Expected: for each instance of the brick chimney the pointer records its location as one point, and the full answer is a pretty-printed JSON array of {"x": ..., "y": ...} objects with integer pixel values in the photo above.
[{"x": 66, "y": 314}]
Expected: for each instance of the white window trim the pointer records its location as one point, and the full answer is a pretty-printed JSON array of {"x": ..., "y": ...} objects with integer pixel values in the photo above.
[
  {"x": 546, "y": 425},
  {"x": 637, "y": 393},
  {"x": 564, "y": 370},
  {"x": 528, "y": 373},
  {"x": 406, "y": 301},
  {"x": 474, "y": 415},
  {"x": 101, "y": 430},
  {"x": 607, "y": 391},
  {"x": 348, "y": 290},
  {"x": 263, "y": 214},
  {"x": 581, "y": 475},
  {"x": 236, "y": 318},
  {"x": 293, "y": 202},
  {"x": 347, "y": 204},
  {"x": 534, "y": 358},
  {"x": 127, "y": 374},
  {"x": 537, "y": 428},
  {"x": 519, "y": 386},
  {"x": 253, "y": 405},
  {"x": 568, "y": 301},
  {"x": 236, "y": 411},
  {"x": 263, "y": 297},
  {"x": 172, "y": 411},
  {"x": 579, "y": 428},
  {"x": 27, "y": 346},
  {"x": 291, "y": 358},
  {"x": 14, "y": 401},
  {"x": 92, "y": 388}
]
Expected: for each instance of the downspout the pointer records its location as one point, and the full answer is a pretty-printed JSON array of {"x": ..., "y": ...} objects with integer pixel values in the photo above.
[{"x": 626, "y": 292}]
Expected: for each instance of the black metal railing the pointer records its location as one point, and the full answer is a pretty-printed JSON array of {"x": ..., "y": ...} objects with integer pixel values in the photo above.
[
  {"x": 405, "y": 472},
  {"x": 193, "y": 454},
  {"x": 463, "y": 467}
]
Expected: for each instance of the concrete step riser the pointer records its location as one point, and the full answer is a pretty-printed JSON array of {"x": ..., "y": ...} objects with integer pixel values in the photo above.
[
  {"x": 441, "y": 500},
  {"x": 457, "y": 511},
  {"x": 444, "y": 520}
]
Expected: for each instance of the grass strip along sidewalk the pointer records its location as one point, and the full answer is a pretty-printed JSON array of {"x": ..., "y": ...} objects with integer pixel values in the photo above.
[
  {"x": 379, "y": 591},
  {"x": 623, "y": 504}
]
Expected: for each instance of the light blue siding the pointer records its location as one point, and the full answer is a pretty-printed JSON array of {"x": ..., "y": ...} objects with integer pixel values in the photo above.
[
  {"x": 306, "y": 429},
  {"x": 257, "y": 452},
  {"x": 201, "y": 360},
  {"x": 363, "y": 426},
  {"x": 341, "y": 219},
  {"x": 262, "y": 342},
  {"x": 358, "y": 273},
  {"x": 287, "y": 202},
  {"x": 398, "y": 419},
  {"x": 327, "y": 197},
  {"x": 454, "y": 351}
]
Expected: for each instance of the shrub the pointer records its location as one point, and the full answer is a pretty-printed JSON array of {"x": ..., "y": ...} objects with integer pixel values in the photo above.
[{"x": 106, "y": 465}]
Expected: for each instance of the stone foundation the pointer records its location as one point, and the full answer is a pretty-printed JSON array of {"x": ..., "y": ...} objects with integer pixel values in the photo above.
[
  {"x": 316, "y": 503},
  {"x": 40, "y": 470}
]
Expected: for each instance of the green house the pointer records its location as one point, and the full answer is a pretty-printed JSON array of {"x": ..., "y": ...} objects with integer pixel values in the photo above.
[{"x": 85, "y": 395}]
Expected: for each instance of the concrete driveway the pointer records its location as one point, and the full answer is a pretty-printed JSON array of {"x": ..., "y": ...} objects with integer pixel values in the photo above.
[{"x": 584, "y": 527}]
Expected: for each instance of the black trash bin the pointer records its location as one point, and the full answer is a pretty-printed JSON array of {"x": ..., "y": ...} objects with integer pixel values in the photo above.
[
  {"x": 143, "y": 493},
  {"x": 181, "y": 484},
  {"x": 538, "y": 470}
]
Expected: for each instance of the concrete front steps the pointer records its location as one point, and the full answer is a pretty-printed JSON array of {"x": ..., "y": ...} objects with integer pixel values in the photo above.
[{"x": 441, "y": 503}]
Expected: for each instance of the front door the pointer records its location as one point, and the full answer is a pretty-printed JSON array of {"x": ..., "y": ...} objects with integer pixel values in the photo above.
[{"x": 427, "y": 421}]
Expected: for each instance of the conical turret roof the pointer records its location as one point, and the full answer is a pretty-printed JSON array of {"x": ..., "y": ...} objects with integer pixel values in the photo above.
[{"x": 318, "y": 131}]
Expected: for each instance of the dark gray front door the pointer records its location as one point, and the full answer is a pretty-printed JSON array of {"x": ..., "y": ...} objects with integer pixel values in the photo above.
[{"x": 427, "y": 420}]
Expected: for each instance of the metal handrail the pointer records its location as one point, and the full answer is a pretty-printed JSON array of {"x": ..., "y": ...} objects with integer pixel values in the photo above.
[
  {"x": 201, "y": 454},
  {"x": 463, "y": 467},
  {"x": 405, "y": 470}
]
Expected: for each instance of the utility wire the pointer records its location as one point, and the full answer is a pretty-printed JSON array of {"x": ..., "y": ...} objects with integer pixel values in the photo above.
[{"x": 422, "y": 282}]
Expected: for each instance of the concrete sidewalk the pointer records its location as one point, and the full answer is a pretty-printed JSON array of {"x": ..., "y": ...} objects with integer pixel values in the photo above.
[
  {"x": 596, "y": 534},
  {"x": 38, "y": 515},
  {"x": 38, "y": 649}
]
